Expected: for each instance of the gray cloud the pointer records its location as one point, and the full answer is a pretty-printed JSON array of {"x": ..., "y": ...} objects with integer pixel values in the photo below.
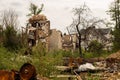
[
  {"x": 57, "y": 11},
  {"x": 16, "y": 4}
]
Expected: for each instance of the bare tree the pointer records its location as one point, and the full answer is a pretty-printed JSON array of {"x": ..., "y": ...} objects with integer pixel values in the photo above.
[
  {"x": 83, "y": 19},
  {"x": 9, "y": 23},
  {"x": 9, "y": 18}
]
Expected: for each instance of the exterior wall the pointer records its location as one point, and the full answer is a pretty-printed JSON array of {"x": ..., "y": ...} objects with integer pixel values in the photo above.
[
  {"x": 69, "y": 42},
  {"x": 74, "y": 38},
  {"x": 55, "y": 40},
  {"x": 43, "y": 33},
  {"x": 46, "y": 27}
]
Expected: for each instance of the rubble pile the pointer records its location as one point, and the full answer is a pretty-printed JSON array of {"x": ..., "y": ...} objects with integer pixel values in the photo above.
[
  {"x": 113, "y": 62},
  {"x": 115, "y": 55},
  {"x": 110, "y": 70},
  {"x": 40, "y": 17},
  {"x": 102, "y": 68},
  {"x": 113, "y": 65},
  {"x": 104, "y": 76},
  {"x": 111, "y": 76}
]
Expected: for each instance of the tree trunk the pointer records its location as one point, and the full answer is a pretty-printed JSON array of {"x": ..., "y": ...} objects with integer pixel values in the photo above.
[
  {"x": 80, "y": 48},
  {"x": 118, "y": 13},
  {"x": 79, "y": 38}
]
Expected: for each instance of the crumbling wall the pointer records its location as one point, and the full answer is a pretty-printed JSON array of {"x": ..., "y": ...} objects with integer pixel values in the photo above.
[{"x": 55, "y": 40}]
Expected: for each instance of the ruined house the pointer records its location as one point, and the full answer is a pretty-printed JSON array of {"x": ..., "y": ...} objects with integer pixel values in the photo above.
[
  {"x": 57, "y": 41},
  {"x": 38, "y": 30},
  {"x": 102, "y": 35},
  {"x": 69, "y": 42}
]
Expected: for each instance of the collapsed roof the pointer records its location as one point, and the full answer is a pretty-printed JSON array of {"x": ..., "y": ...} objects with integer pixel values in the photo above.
[{"x": 39, "y": 17}]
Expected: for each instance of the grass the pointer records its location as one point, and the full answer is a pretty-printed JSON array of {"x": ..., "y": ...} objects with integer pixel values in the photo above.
[
  {"x": 7, "y": 59},
  {"x": 103, "y": 54},
  {"x": 43, "y": 61}
]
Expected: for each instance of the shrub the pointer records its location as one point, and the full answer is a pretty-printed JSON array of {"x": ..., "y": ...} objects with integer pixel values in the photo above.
[
  {"x": 44, "y": 61},
  {"x": 95, "y": 47},
  {"x": 11, "y": 39}
]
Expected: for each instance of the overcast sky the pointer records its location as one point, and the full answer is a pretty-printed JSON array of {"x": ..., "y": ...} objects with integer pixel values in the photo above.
[{"x": 59, "y": 12}]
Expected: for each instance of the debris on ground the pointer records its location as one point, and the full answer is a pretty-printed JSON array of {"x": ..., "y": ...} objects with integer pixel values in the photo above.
[
  {"x": 115, "y": 55},
  {"x": 86, "y": 66},
  {"x": 94, "y": 68}
]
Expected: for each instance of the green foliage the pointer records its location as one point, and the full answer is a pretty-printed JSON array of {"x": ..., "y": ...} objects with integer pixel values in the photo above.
[
  {"x": 34, "y": 10},
  {"x": 114, "y": 11},
  {"x": 89, "y": 55},
  {"x": 11, "y": 39},
  {"x": 39, "y": 48},
  {"x": 45, "y": 61},
  {"x": 104, "y": 54},
  {"x": 116, "y": 41},
  {"x": 65, "y": 53},
  {"x": 45, "y": 65},
  {"x": 95, "y": 47},
  {"x": 1, "y": 34},
  {"x": 8, "y": 60}
]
